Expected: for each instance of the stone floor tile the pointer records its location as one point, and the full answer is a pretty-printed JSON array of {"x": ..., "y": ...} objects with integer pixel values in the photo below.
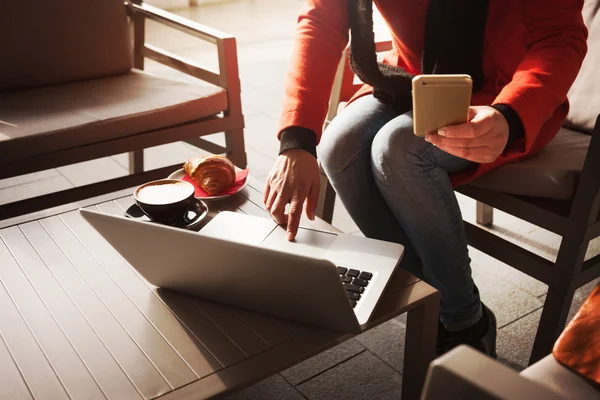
[
  {"x": 488, "y": 266},
  {"x": 322, "y": 362},
  {"x": 34, "y": 189},
  {"x": 260, "y": 135},
  {"x": 519, "y": 232},
  {"x": 515, "y": 341},
  {"x": 593, "y": 248},
  {"x": 386, "y": 341},
  {"x": 92, "y": 171},
  {"x": 507, "y": 301},
  {"x": 362, "y": 377},
  {"x": 260, "y": 165},
  {"x": 273, "y": 388},
  {"x": 27, "y": 178}
]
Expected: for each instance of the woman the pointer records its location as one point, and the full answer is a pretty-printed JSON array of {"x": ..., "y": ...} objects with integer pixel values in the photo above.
[{"x": 523, "y": 56}]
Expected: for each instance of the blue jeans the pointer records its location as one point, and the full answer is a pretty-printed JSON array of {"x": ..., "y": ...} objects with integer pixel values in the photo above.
[{"x": 395, "y": 187}]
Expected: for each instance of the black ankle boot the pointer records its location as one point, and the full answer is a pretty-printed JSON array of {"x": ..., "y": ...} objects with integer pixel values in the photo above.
[{"x": 481, "y": 336}]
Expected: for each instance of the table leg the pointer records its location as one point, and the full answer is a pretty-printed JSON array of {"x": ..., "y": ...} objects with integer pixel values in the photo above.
[{"x": 421, "y": 332}]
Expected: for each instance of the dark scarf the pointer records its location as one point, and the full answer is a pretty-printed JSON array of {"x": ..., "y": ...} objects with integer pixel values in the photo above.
[{"x": 454, "y": 36}]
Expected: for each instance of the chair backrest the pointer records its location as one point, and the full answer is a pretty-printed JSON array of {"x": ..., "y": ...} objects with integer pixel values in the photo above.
[
  {"x": 57, "y": 41},
  {"x": 585, "y": 92}
]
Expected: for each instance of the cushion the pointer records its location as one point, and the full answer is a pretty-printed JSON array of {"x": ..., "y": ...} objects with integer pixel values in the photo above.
[
  {"x": 42, "y": 120},
  {"x": 552, "y": 173},
  {"x": 578, "y": 347},
  {"x": 561, "y": 380},
  {"x": 585, "y": 92},
  {"x": 57, "y": 41}
]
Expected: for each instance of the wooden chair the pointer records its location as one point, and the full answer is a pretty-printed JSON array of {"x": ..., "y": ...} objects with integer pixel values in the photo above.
[
  {"x": 79, "y": 93},
  {"x": 558, "y": 190}
]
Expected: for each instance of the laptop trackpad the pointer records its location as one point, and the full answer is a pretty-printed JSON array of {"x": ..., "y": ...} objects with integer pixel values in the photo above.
[
  {"x": 237, "y": 227},
  {"x": 307, "y": 242}
]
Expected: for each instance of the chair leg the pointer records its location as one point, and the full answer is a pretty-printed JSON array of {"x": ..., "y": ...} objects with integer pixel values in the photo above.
[
  {"x": 236, "y": 150},
  {"x": 484, "y": 214},
  {"x": 554, "y": 317},
  {"x": 136, "y": 161}
]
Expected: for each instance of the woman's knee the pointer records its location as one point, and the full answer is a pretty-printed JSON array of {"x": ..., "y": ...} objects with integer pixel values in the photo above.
[
  {"x": 396, "y": 149},
  {"x": 350, "y": 134}
]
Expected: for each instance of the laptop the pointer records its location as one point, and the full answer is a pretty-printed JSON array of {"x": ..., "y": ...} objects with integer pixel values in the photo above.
[{"x": 321, "y": 278}]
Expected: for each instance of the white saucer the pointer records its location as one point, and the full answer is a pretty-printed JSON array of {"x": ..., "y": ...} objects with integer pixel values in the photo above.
[{"x": 180, "y": 173}]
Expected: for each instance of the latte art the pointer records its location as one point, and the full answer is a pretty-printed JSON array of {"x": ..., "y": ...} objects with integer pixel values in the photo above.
[{"x": 164, "y": 193}]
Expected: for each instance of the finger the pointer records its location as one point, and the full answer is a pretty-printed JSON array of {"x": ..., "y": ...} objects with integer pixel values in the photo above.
[
  {"x": 278, "y": 209},
  {"x": 475, "y": 154},
  {"x": 267, "y": 191},
  {"x": 271, "y": 199},
  {"x": 478, "y": 126},
  {"x": 312, "y": 200},
  {"x": 485, "y": 140},
  {"x": 294, "y": 217}
]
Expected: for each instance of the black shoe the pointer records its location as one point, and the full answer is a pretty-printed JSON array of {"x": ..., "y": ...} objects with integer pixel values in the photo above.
[{"x": 481, "y": 336}]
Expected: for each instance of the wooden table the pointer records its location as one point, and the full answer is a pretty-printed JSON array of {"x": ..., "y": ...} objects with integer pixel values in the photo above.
[{"x": 78, "y": 322}]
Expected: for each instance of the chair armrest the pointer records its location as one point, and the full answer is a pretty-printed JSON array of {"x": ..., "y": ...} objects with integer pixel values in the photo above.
[
  {"x": 226, "y": 77},
  {"x": 464, "y": 373},
  {"x": 175, "y": 21}
]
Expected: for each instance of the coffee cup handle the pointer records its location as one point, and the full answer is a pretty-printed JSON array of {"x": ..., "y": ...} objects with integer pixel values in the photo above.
[{"x": 192, "y": 208}]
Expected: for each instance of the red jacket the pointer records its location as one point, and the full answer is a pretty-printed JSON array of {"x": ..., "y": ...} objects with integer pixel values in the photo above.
[{"x": 532, "y": 53}]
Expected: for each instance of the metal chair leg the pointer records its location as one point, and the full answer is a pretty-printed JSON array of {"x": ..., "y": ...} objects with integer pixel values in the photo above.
[
  {"x": 236, "y": 150},
  {"x": 136, "y": 162},
  {"x": 484, "y": 214}
]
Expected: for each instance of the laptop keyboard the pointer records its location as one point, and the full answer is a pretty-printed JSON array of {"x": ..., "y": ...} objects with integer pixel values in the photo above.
[{"x": 355, "y": 282}]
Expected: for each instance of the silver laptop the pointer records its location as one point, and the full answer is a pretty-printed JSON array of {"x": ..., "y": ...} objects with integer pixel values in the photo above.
[{"x": 321, "y": 278}]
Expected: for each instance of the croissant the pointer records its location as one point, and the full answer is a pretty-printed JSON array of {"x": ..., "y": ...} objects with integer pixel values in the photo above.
[{"x": 214, "y": 174}]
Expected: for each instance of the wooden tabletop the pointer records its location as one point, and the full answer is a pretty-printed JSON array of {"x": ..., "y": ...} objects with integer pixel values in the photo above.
[{"x": 78, "y": 322}]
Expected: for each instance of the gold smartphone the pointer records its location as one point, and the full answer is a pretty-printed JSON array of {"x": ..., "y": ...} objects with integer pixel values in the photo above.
[{"x": 440, "y": 100}]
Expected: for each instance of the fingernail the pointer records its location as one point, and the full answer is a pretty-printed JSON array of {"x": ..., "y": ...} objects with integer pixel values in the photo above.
[
  {"x": 428, "y": 138},
  {"x": 290, "y": 236},
  {"x": 442, "y": 132}
]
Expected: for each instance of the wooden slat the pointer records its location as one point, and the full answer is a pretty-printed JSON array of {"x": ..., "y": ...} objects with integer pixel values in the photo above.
[
  {"x": 110, "y": 377},
  {"x": 232, "y": 326},
  {"x": 293, "y": 328},
  {"x": 511, "y": 254},
  {"x": 400, "y": 280},
  {"x": 201, "y": 327},
  {"x": 593, "y": 230},
  {"x": 391, "y": 306},
  {"x": 517, "y": 207},
  {"x": 140, "y": 321},
  {"x": 92, "y": 290},
  {"x": 73, "y": 373},
  {"x": 260, "y": 366},
  {"x": 38, "y": 203},
  {"x": 264, "y": 326},
  {"x": 31, "y": 361},
  {"x": 180, "y": 23},
  {"x": 11, "y": 381},
  {"x": 181, "y": 64},
  {"x": 50, "y": 212}
]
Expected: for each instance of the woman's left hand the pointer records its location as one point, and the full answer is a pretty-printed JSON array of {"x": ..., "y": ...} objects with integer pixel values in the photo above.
[{"x": 481, "y": 140}]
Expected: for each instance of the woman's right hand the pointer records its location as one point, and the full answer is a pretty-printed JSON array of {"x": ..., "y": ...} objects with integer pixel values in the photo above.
[{"x": 293, "y": 180}]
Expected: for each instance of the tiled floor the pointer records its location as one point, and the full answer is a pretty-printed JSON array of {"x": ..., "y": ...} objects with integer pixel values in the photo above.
[{"x": 369, "y": 366}]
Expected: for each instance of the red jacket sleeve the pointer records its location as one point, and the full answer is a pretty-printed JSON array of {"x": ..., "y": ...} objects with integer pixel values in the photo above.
[
  {"x": 555, "y": 40},
  {"x": 321, "y": 36}
]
